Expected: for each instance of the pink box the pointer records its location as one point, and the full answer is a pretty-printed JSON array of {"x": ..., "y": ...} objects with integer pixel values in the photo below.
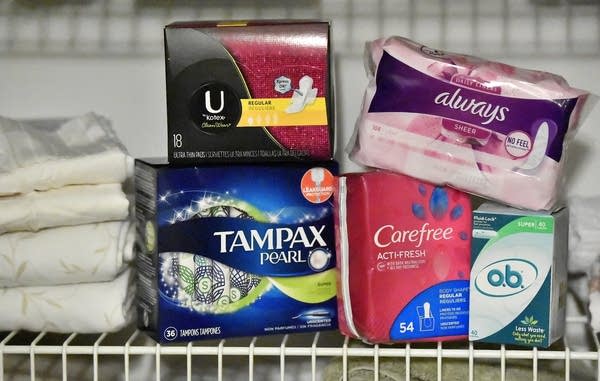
[{"x": 403, "y": 258}]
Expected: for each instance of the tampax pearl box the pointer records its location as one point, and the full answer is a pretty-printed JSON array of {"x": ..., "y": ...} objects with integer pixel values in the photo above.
[
  {"x": 235, "y": 250},
  {"x": 249, "y": 91}
]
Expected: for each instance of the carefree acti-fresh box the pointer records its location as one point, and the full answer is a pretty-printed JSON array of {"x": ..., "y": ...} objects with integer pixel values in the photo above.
[{"x": 235, "y": 250}]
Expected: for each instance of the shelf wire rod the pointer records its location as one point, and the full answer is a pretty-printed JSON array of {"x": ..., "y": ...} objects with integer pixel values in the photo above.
[
  {"x": 73, "y": 23},
  {"x": 471, "y": 351},
  {"x": 475, "y": 25},
  {"x": 411, "y": 18},
  {"x": 598, "y": 35},
  {"x": 505, "y": 25},
  {"x": 349, "y": 27},
  {"x": 567, "y": 359},
  {"x": 287, "y": 9},
  {"x": 157, "y": 361},
  {"x": 313, "y": 356},
  {"x": 220, "y": 360},
  {"x": 376, "y": 362},
  {"x": 581, "y": 319},
  {"x": 257, "y": 9},
  {"x": 134, "y": 26},
  {"x": 228, "y": 9},
  {"x": 188, "y": 362},
  {"x": 443, "y": 24},
  {"x": 569, "y": 27},
  {"x": 439, "y": 361},
  {"x": 251, "y": 359},
  {"x": 282, "y": 357},
  {"x": 167, "y": 14},
  {"x": 502, "y": 362},
  {"x": 320, "y": 11},
  {"x": 2, "y": 344},
  {"x": 380, "y": 18},
  {"x": 535, "y": 364},
  {"x": 42, "y": 22},
  {"x": 64, "y": 355},
  {"x": 537, "y": 27},
  {"x": 407, "y": 362},
  {"x": 105, "y": 15},
  {"x": 126, "y": 352},
  {"x": 95, "y": 354},
  {"x": 597, "y": 344},
  {"x": 345, "y": 359},
  {"x": 11, "y": 21},
  {"x": 32, "y": 354}
]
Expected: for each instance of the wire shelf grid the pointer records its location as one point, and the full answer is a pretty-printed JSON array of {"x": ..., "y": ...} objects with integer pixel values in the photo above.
[
  {"x": 310, "y": 349},
  {"x": 121, "y": 28}
]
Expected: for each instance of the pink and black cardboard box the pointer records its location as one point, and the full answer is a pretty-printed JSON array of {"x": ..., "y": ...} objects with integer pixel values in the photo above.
[{"x": 249, "y": 91}]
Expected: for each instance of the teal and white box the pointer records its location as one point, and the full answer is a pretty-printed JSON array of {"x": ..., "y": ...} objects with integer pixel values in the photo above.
[{"x": 518, "y": 276}]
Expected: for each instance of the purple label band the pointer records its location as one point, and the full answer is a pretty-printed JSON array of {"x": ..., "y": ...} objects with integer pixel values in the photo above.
[{"x": 401, "y": 88}]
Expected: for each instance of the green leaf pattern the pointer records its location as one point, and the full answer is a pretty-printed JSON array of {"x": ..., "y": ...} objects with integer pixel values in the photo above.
[
  {"x": 92, "y": 307},
  {"x": 186, "y": 279},
  {"x": 100, "y": 261},
  {"x": 529, "y": 321},
  {"x": 30, "y": 299}
]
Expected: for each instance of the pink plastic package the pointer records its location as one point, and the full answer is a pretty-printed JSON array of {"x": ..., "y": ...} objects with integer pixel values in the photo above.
[
  {"x": 403, "y": 258},
  {"x": 483, "y": 127}
]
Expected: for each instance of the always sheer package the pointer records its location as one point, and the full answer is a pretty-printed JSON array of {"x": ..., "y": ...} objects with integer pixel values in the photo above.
[
  {"x": 249, "y": 91},
  {"x": 235, "y": 250},
  {"x": 403, "y": 258},
  {"x": 483, "y": 127}
]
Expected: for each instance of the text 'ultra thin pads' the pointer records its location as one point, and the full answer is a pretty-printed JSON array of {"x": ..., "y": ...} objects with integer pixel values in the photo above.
[
  {"x": 403, "y": 250},
  {"x": 480, "y": 126}
]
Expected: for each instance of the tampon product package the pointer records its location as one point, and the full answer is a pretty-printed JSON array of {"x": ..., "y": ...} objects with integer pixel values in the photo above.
[
  {"x": 235, "y": 250},
  {"x": 249, "y": 91},
  {"x": 518, "y": 276},
  {"x": 483, "y": 127},
  {"x": 403, "y": 258}
]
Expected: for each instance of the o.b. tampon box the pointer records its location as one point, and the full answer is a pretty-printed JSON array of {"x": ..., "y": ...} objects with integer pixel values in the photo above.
[{"x": 518, "y": 276}]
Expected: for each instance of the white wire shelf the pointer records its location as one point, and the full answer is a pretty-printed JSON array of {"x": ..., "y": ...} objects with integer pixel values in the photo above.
[
  {"x": 20, "y": 350},
  {"x": 121, "y": 28}
]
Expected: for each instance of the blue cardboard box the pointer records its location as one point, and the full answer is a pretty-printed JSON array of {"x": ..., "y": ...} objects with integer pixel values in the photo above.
[{"x": 234, "y": 250}]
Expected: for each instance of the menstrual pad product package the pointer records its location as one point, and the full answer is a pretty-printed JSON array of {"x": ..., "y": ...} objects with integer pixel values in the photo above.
[
  {"x": 249, "y": 91},
  {"x": 403, "y": 258},
  {"x": 235, "y": 250},
  {"x": 518, "y": 276},
  {"x": 483, "y": 127}
]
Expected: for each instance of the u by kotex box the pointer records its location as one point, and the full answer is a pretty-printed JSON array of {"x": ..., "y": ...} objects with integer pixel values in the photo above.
[
  {"x": 235, "y": 250},
  {"x": 249, "y": 91}
]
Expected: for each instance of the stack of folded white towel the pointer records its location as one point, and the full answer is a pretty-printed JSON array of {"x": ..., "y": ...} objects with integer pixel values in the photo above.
[{"x": 66, "y": 240}]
